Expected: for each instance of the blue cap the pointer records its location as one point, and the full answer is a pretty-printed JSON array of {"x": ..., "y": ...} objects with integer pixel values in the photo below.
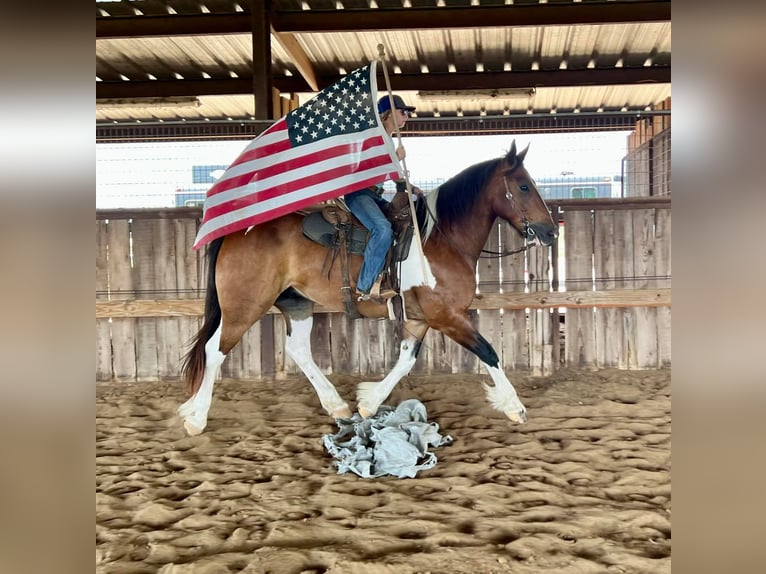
[{"x": 384, "y": 104}]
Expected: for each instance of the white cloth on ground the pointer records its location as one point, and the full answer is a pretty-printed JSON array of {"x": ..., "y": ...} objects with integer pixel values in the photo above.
[{"x": 394, "y": 441}]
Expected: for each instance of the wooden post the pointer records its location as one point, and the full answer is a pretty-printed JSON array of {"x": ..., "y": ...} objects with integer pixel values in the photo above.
[
  {"x": 580, "y": 329},
  {"x": 515, "y": 350},
  {"x": 103, "y": 332},
  {"x": 260, "y": 11},
  {"x": 121, "y": 287}
]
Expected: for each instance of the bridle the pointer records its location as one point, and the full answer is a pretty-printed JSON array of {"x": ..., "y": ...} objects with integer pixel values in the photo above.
[{"x": 528, "y": 232}]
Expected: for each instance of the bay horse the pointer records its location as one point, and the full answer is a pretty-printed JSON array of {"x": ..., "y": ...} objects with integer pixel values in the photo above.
[{"x": 273, "y": 263}]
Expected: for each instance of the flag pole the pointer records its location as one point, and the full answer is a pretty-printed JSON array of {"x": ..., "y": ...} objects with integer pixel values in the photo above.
[{"x": 424, "y": 265}]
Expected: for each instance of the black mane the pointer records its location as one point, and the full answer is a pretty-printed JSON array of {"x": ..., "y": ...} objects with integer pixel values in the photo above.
[{"x": 458, "y": 194}]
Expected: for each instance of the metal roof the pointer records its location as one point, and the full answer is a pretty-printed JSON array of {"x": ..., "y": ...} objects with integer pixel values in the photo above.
[{"x": 192, "y": 60}]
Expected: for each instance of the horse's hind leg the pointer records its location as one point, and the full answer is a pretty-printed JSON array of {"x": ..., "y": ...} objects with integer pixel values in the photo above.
[
  {"x": 194, "y": 411},
  {"x": 370, "y": 395},
  {"x": 299, "y": 319}
]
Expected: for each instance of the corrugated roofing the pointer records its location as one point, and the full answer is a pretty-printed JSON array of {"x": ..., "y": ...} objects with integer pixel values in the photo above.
[{"x": 572, "y": 67}]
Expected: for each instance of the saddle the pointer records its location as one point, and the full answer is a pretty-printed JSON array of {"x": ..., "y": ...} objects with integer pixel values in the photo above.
[{"x": 337, "y": 229}]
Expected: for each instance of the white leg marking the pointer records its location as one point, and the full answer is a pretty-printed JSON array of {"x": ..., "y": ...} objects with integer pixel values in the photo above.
[
  {"x": 503, "y": 396},
  {"x": 194, "y": 411},
  {"x": 298, "y": 347},
  {"x": 370, "y": 395}
]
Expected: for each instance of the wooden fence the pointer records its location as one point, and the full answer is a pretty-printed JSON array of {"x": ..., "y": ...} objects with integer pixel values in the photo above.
[{"x": 600, "y": 297}]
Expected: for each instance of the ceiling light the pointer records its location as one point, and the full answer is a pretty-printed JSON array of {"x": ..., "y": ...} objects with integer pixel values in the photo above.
[
  {"x": 476, "y": 95},
  {"x": 169, "y": 102}
]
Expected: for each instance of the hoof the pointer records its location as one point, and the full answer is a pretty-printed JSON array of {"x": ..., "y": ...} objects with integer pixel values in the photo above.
[
  {"x": 192, "y": 430},
  {"x": 341, "y": 413},
  {"x": 365, "y": 413},
  {"x": 518, "y": 416}
]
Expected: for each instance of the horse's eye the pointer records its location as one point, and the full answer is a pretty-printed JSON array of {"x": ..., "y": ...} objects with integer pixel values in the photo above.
[{"x": 524, "y": 187}]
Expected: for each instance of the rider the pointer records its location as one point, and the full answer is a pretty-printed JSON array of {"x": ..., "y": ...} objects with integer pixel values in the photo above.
[{"x": 366, "y": 205}]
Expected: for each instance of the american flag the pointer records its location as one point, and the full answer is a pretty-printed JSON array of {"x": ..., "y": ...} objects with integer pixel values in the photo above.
[{"x": 331, "y": 145}]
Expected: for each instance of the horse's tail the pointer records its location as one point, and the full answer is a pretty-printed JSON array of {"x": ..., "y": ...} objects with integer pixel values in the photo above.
[{"x": 194, "y": 362}]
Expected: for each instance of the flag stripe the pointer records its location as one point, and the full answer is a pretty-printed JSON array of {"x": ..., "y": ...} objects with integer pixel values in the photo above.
[
  {"x": 279, "y": 164},
  {"x": 277, "y": 134},
  {"x": 352, "y": 160},
  {"x": 332, "y": 145},
  {"x": 283, "y": 186},
  {"x": 256, "y": 214}
]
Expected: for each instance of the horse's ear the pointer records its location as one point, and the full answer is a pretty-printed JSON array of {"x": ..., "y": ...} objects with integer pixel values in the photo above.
[
  {"x": 512, "y": 152},
  {"x": 522, "y": 154}
]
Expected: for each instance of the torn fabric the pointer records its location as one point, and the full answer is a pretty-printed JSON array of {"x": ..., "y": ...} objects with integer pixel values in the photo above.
[{"x": 394, "y": 441}]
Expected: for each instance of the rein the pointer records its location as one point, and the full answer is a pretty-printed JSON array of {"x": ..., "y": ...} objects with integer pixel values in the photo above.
[{"x": 490, "y": 254}]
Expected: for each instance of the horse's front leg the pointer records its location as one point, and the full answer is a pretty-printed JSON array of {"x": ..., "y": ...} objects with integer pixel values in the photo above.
[
  {"x": 370, "y": 395},
  {"x": 298, "y": 347},
  {"x": 502, "y": 396}
]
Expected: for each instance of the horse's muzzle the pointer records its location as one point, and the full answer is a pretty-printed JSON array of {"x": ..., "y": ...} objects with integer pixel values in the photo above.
[{"x": 544, "y": 232}]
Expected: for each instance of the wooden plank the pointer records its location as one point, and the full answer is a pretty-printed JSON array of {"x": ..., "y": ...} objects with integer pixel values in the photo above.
[
  {"x": 340, "y": 349},
  {"x": 508, "y": 301},
  {"x": 580, "y": 334},
  {"x": 144, "y": 281},
  {"x": 607, "y": 320},
  {"x": 617, "y": 203},
  {"x": 372, "y": 349},
  {"x": 556, "y": 317},
  {"x": 321, "y": 349},
  {"x": 623, "y": 239},
  {"x": 540, "y": 327},
  {"x": 169, "y": 347},
  {"x": 121, "y": 287},
  {"x": 515, "y": 349},
  {"x": 644, "y": 270},
  {"x": 149, "y": 213},
  {"x": 103, "y": 329},
  {"x": 490, "y": 321},
  {"x": 283, "y": 365},
  {"x": 663, "y": 269},
  {"x": 195, "y": 213},
  {"x": 251, "y": 353},
  {"x": 187, "y": 279},
  {"x": 440, "y": 348},
  {"x": 268, "y": 361}
]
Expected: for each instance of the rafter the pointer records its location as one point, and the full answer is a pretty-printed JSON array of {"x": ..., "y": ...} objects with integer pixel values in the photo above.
[
  {"x": 390, "y": 19},
  {"x": 466, "y": 81},
  {"x": 289, "y": 44}
]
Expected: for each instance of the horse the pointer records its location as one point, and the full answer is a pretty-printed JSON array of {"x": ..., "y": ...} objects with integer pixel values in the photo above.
[{"x": 274, "y": 264}]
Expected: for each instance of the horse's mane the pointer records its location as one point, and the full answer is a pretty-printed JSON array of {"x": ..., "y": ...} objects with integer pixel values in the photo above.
[{"x": 458, "y": 195}]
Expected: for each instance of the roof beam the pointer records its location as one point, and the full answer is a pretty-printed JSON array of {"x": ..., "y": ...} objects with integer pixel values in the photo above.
[
  {"x": 289, "y": 44},
  {"x": 466, "y": 81},
  {"x": 474, "y": 17},
  {"x": 389, "y": 19},
  {"x": 130, "y": 131}
]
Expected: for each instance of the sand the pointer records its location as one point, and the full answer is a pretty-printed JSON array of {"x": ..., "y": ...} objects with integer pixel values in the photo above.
[{"x": 583, "y": 487}]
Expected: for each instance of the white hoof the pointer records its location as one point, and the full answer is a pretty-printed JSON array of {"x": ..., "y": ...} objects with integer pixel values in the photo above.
[
  {"x": 192, "y": 429},
  {"x": 364, "y": 412},
  {"x": 365, "y": 396},
  {"x": 341, "y": 412},
  {"x": 517, "y": 416}
]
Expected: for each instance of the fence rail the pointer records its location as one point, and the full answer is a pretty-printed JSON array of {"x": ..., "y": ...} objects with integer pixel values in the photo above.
[{"x": 599, "y": 297}]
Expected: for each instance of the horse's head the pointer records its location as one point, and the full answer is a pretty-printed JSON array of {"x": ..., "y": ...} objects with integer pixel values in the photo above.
[{"x": 518, "y": 201}]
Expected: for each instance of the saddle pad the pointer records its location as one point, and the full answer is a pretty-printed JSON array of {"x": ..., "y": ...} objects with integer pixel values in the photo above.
[{"x": 318, "y": 229}]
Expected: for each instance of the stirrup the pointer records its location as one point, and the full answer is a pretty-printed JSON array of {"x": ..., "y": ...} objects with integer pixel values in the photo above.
[{"x": 381, "y": 294}]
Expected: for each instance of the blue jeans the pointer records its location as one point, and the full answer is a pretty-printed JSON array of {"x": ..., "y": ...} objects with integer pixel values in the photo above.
[{"x": 365, "y": 205}]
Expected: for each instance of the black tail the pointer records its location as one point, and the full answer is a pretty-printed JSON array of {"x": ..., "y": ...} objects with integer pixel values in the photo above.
[{"x": 194, "y": 362}]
